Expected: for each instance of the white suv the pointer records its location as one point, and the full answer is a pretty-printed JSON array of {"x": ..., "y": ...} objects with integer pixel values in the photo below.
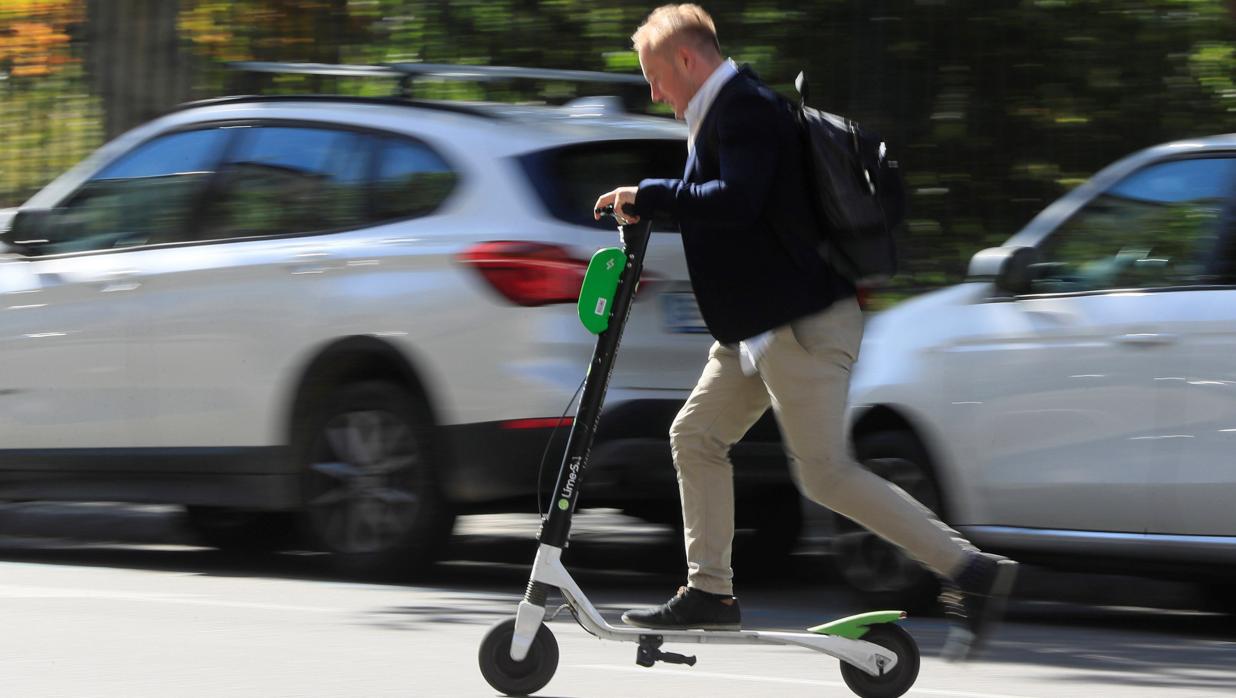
[
  {"x": 358, "y": 310},
  {"x": 1074, "y": 401}
]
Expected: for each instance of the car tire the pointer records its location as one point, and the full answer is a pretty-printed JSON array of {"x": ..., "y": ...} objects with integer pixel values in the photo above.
[
  {"x": 767, "y": 521},
  {"x": 879, "y": 572},
  {"x": 371, "y": 491},
  {"x": 1219, "y": 597},
  {"x": 241, "y": 530},
  {"x": 664, "y": 513}
]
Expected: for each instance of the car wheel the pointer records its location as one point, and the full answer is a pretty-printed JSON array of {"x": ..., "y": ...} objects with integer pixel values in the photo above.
[
  {"x": 881, "y": 574},
  {"x": 664, "y": 513},
  {"x": 241, "y": 530},
  {"x": 769, "y": 522},
  {"x": 1219, "y": 597},
  {"x": 371, "y": 491}
]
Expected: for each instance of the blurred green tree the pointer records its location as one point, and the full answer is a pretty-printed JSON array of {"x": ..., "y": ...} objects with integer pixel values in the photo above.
[{"x": 994, "y": 107}]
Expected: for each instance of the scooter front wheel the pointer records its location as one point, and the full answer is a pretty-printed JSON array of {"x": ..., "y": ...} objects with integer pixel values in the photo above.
[
  {"x": 518, "y": 678},
  {"x": 894, "y": 682}
]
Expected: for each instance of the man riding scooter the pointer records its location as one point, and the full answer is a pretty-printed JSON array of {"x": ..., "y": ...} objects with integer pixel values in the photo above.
[{"x": 787, "y": 332}]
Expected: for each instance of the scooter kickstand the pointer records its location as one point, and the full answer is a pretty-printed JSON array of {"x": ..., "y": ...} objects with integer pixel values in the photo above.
[{"x": 650, "y": 653}]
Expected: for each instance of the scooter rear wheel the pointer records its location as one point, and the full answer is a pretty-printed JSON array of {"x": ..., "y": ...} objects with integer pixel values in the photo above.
[
  {"x": 517, "y": 678},
  {"x": 900, "y": 678}
]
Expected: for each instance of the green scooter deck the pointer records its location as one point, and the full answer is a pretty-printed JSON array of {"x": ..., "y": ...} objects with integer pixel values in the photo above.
[{"x": 854, "y": 627}]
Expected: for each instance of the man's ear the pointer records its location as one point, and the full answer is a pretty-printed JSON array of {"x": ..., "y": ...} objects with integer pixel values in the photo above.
[{"x": 684, "y": 57}]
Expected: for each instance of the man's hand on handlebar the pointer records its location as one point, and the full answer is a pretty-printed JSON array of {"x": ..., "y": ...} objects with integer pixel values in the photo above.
[{"x": 619, "y": 203}]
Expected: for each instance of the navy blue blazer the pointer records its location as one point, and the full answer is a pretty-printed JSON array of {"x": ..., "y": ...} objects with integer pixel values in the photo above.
[{"x": 741, "y": 206}]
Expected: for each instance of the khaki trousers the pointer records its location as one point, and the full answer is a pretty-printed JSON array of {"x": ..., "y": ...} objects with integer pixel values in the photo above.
[{"x": 804, "y": 375}]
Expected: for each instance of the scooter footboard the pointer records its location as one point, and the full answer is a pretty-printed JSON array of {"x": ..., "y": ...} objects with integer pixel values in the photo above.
[{"x": 868, "y": 656}]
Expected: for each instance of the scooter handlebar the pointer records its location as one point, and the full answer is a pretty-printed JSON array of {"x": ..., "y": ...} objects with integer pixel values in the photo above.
[
  {"x": 608, "y": 210},
  {"x": 637, "y": 231}
]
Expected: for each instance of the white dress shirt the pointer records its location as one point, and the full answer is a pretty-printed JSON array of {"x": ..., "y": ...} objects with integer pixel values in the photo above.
[{"x": 698, "y": 107}]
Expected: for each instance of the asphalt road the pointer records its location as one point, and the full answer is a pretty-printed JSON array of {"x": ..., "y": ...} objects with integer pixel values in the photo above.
[{"x": 111, "y": 601}]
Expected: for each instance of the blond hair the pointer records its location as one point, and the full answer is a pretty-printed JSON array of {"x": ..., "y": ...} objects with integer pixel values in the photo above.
[{"x": 674, "y": 23}]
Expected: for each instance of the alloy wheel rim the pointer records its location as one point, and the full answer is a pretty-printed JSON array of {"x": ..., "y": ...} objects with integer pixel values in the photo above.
[
  {"x": 366, "y": 469},
  {"x": 869, "y": 562}
]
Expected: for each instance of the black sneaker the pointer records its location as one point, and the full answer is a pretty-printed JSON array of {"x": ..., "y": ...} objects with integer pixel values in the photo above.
[
  {"x": 975, "y": 603},
  {"x": 690, "y": 609}
]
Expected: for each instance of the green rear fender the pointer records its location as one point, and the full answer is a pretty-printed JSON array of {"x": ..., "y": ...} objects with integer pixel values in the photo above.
[
  {"x": 855, "y": 627},
  {"x": 596, "y": 295}
]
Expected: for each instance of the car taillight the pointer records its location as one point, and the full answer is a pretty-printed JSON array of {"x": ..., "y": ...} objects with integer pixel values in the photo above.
[
  {"x": 528, "y": 273},
  {"x": 864, "y": 297}
]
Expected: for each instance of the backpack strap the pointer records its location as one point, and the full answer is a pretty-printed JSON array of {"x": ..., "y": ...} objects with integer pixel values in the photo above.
[{"x": 800, "y": 84}]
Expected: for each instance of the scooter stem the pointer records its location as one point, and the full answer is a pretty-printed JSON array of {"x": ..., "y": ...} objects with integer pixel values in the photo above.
[{"x": 556, "y": 528}]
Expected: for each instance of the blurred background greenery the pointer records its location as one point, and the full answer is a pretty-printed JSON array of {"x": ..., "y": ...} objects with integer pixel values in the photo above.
[{"x": 994, "y": 107}]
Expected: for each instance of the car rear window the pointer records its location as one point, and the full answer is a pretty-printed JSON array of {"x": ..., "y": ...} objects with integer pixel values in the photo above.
[{"x": 569, "y": 179}]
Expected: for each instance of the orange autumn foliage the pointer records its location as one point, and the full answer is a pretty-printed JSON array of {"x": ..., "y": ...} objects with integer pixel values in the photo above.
[{"x": 34, "y": 35}]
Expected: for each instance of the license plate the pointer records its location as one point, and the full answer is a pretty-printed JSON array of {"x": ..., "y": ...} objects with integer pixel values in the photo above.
[{"x": 681, "y": 314}]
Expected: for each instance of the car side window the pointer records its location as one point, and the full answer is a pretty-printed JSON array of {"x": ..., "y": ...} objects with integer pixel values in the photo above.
[
  {"x": 1156, "y": 228},
  {"x": 411, "y": 180},
  {"x": 145, "y": 197},
  {"x": 290, "y": 179}
]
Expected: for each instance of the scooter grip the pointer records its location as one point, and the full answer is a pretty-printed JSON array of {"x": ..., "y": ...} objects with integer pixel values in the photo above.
[{"x": 608, "y": 210}]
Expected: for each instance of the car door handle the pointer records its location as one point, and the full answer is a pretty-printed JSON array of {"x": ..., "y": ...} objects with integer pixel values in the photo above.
[
  {"x": 120, "y": 280},
  {"x": 309, "y": 262},
  {"x": 1057, "y": 316},
  {"x": 1146, "y": 339}
]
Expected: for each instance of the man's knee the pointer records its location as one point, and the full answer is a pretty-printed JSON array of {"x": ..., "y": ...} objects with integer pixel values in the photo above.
[
  {"x": 821, "y": 478},
  {"x": 683, "y": 436},
  {"x": 692, "y": 441}
]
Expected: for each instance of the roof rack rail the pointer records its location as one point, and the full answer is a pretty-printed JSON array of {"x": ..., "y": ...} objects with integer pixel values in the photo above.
[
  {"x": 456, "y": 107},
  {"x": 407, "y": 73}
]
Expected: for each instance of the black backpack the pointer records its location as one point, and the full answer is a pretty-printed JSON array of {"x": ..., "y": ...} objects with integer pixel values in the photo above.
[{"x": 857, "y": 191}]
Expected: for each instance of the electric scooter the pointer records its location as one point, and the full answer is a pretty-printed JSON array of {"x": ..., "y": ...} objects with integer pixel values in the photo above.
[{"x": 519, "y": 656}]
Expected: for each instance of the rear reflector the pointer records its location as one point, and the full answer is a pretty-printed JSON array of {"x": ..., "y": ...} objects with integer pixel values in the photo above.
[
  {"x": 549, "y": 423},
  {"x": 863, "y": 294}
]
